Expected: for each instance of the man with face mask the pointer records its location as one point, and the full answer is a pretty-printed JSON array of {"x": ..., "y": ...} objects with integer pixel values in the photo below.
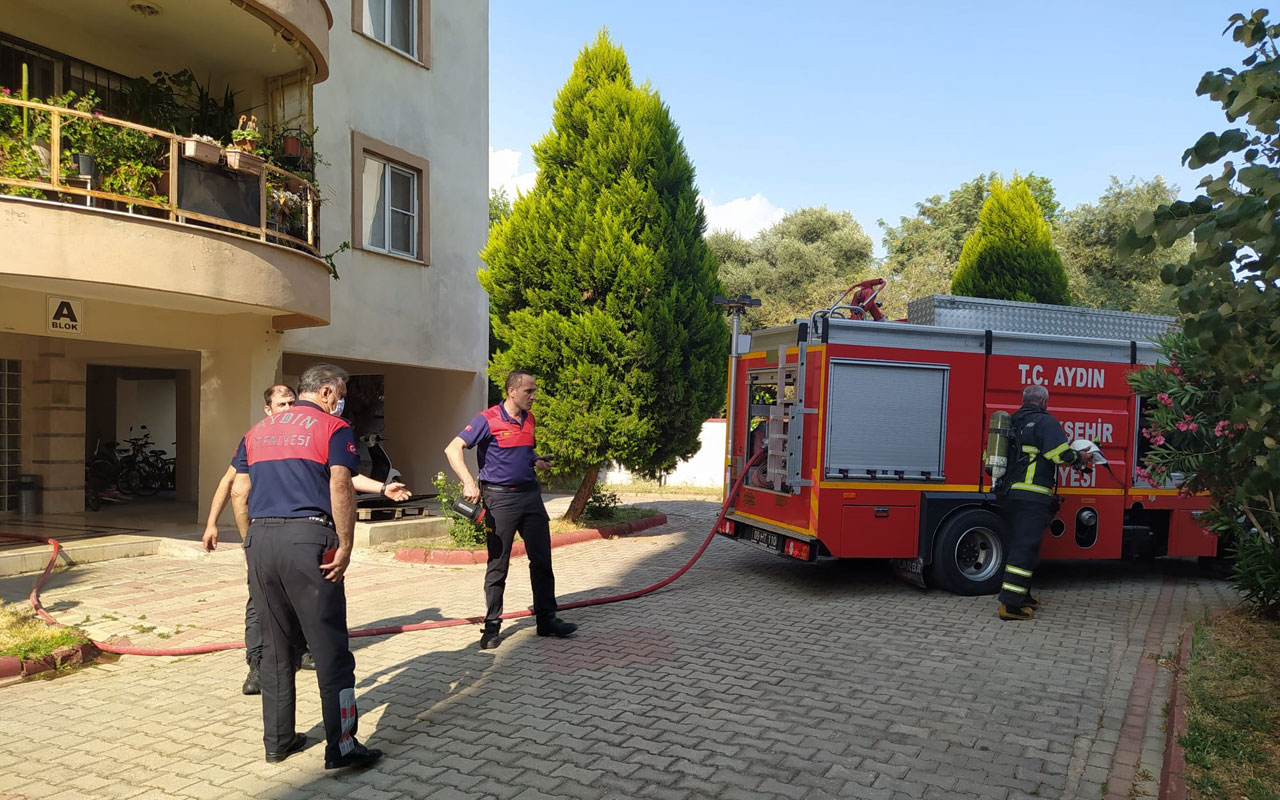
[
  {"x": 293, "y": 492},
  {"x": 276, "y": 399}
]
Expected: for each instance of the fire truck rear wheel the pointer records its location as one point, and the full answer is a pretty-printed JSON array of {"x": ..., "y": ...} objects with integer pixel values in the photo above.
[{"x": 968, "y": 553}]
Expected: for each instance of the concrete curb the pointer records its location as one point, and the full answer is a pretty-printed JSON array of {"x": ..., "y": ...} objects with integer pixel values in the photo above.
[
  {"x": 14, "y": 667},
  {"x": 416, "y": 555},
  {"x": 1173, "y": 781}
]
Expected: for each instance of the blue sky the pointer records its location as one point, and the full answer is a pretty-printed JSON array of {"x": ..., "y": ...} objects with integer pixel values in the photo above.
[{"x": 871, "y": 108}]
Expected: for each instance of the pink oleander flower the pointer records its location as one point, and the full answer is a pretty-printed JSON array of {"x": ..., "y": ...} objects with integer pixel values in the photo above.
[
  {"x": 1182, "y": 426},
  {"x": 1164, "y": 399},
  {"x": 4, "y": 90},
  {"x": 1146, "y": 432},
  {"x": 1157, "y": 440},
  {"x": 1222, "y": 428}
]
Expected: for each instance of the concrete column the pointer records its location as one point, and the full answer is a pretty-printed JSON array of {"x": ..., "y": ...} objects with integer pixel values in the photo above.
[
  {"x": 233, "y": 373},
  {"x": 53, "y": 402}
]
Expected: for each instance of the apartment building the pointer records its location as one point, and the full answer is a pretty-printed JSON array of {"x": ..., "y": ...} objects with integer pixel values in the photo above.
[{"x": 159, "y": 269}]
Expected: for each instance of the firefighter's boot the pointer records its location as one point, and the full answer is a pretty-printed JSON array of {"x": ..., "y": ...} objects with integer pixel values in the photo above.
[
  {"x": 1014, "y": 612},
  {"x": 251, "y": 681},
  {"x": 1033, "y": 602}
]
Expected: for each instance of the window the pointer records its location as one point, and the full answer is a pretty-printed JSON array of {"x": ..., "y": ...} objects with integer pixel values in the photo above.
[
  {"x": 392, "y": 22},
  {"x": 402, "y": 25},
  {"x": 389, "y": 204},
  {"x": 390, "y": 208}
]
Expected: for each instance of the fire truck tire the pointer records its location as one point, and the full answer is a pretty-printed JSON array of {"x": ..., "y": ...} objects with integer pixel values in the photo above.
[{"x": 968, "y": 553}]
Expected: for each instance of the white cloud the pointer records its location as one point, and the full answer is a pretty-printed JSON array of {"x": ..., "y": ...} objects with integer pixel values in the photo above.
[
  {"x": 504, "y": 172},
  {"x": 745, "y": 216}
]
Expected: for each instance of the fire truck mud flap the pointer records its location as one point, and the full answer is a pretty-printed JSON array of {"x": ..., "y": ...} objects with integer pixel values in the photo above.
[{"x": 910, "y": 570}]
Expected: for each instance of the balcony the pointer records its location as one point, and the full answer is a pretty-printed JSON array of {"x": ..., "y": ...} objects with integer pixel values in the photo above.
[
  {"x": 162, "y": 215},
  {"x": 265, "y": 38}
]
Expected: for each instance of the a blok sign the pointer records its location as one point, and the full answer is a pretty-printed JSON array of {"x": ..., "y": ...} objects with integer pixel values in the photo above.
[{"x": 66, "y": 315}]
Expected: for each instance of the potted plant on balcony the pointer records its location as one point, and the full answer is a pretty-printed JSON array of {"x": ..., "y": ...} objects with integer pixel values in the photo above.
[
  {"x": 205, "y": 149},
  {"x": 245, "y": 138},
  {"x": 246, "y": 135},
  {"x": 290, "y": 147}
]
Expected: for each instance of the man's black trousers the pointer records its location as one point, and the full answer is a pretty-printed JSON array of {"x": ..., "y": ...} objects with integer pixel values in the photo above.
[
  {"x": 252, "y": 633},
  {"x": 298, "y": 607},
  {"x": 511, "y": 512},
  {"x": 1025, "y": 519}
]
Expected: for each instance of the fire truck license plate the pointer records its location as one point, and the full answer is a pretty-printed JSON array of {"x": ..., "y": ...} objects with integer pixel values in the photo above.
[{"x": 766, "y": 538}]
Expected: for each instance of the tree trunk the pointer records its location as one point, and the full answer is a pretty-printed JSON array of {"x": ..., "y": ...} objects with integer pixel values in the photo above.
[{"x": 583, "y": 494}]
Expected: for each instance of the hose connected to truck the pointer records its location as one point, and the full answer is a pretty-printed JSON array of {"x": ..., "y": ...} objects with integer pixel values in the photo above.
[{"x": 108, "y": 647}]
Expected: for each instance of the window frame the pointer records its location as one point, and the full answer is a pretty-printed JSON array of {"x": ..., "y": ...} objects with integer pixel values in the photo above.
[
  {"x": 362, "y": 147},
  {"x": 422, "y": 30}
]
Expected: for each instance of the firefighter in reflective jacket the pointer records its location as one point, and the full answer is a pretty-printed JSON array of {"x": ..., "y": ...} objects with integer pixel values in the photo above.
[{"x": 1028, "y": 504}]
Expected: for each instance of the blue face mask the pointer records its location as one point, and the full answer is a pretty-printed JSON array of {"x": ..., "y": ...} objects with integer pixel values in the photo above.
[{"x": 342, "y": 403}]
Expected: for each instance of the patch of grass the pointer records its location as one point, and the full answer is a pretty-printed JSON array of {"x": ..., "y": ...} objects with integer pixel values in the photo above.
[
  {"x": 26, "y": 636},
  {"x": 653, "y": 487},
  {"x": 1232, "y": 743},
  {"x": 144, "y": 628},
  {"x": 620, "y": 514}
]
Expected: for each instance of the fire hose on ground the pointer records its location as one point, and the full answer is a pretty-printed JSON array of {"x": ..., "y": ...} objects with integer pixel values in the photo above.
[{"x": 108, "y": 647}]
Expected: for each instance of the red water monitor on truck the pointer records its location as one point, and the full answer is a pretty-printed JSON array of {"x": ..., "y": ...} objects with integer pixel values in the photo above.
[{"x": 865, "y": 438}]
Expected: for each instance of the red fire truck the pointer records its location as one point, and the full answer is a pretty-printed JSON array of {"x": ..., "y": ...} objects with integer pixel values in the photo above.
[{"x": 873, "y": 435}]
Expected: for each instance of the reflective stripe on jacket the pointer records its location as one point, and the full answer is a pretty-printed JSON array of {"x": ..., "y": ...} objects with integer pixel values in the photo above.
[{"x": 1044, "y": 446}]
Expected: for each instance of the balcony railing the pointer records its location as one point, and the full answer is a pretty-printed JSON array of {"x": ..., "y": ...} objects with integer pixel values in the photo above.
[{"x": 152, "y": 173}]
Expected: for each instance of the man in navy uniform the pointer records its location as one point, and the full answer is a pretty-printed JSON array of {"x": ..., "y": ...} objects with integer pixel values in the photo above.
[
  {"x": 1029, "y": 503},
  {"x": 277, "y": 398},
  {"x": 506, "y": 451},
  {"x": 293, "y": 488}
]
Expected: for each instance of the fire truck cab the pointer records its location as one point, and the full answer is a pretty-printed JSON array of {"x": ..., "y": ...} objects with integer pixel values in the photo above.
[{"x": 873, "y": 434}]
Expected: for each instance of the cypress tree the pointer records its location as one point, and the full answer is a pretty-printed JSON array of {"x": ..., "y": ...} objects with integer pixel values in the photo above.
[
  {"x": 600, "y": 282},
  {"x": 1010, "y": 255}
]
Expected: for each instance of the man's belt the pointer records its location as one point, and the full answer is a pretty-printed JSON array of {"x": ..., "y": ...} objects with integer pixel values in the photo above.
[
  {"x": 527, "y": 486},
  {"x": 319, "y": 519}
]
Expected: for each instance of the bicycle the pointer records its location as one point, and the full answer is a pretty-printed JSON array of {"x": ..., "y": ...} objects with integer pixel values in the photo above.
[{"x": 138, "y": 473}]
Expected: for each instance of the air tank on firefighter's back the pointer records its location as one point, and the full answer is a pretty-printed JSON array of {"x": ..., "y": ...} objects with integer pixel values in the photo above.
[{"x": 999, "y": 434}]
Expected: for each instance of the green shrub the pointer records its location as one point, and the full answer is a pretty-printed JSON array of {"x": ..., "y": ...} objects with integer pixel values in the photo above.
[
  {"x": 602, "y": 505},
  {"x": 462, "y": 531}
]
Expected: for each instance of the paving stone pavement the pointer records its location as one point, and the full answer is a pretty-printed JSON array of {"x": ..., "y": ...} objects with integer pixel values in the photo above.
[{"x": 752, "y": 676}]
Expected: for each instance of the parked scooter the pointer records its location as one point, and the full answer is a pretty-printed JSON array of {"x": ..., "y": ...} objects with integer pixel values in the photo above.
[{"x": 375, "y": 463}]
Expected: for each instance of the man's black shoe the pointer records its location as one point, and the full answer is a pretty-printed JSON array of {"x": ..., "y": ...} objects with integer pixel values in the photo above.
[
  {"x": 251, "y": 681},
  {"x": 490, "y": 639},
  {"x": 299, "y": 742},
  {"x": 359, "y": 757},
  {"x": 307, "y": 661},
  {"x": 555, "y": 627}
]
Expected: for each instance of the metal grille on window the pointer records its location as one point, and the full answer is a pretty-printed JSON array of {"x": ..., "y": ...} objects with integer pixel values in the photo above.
[
  {"x": 10, "y": 432},
  {"x": 51, "y": 73}
]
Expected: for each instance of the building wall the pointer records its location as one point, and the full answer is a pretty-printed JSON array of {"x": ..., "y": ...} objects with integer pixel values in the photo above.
[
  {"x": 152, "y": 403},
  {"x": 705, "y": 468},
  {"x": 386, "y": 308},
  {"x": 225, "y": 360}
]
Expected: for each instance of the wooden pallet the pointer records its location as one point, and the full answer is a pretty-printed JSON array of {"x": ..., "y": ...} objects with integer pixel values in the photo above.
[{"x": 391, "y": 513}]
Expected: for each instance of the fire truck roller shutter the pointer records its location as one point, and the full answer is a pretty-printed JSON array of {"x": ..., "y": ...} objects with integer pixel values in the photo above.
[
  {"x": 968, "y": 552},
  {"x": 886, "y": 419}
]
